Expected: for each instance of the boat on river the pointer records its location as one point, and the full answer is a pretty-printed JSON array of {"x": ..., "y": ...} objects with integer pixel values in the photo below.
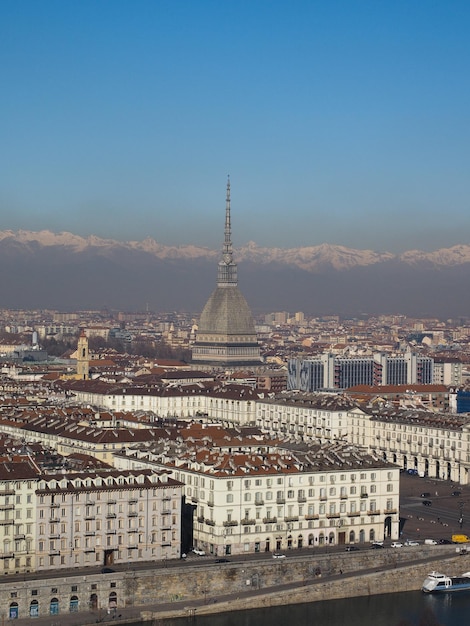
[{"x": 440, "y": 583}]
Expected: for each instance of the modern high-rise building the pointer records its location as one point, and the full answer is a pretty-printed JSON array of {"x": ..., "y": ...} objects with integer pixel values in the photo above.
[
  {"x": 329, "y": 371},
  {"x": 226, "y": 333}
]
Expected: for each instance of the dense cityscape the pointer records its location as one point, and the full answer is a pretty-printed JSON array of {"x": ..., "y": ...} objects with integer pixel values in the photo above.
[
  {"x": 234, "y": 313},
  {"x": 146, "y": 439}
]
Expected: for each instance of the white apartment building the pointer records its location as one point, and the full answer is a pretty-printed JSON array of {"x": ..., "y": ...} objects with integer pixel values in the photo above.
[
  {"x": 278, "y": 499},
  {"x": 434, "y": 444},
  {"x": 228, "y": 403},
  {"x": 448, "y": 373},
  {"x": 319, "y": 417}
]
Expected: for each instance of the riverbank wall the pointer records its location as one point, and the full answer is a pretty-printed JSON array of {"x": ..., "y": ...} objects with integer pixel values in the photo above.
[{"x": 200, "y": 587}]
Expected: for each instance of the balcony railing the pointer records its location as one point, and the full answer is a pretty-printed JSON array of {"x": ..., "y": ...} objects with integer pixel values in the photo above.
[
  {"x": 269, "y": 520},
  {"x": 292, "y": 518},
  {"x": 374, "y": 512},
  {"x": 210, "y": 522},
  {"x": 312, "y": 516},
  {"x": 230, "y": 522}
]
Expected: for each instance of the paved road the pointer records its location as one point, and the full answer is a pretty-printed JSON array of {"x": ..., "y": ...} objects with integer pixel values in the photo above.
[{"x": 442, "y": 518}]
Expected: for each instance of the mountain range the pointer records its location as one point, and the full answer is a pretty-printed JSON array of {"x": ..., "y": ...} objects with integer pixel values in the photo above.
[{"x": 66, "y": 271}]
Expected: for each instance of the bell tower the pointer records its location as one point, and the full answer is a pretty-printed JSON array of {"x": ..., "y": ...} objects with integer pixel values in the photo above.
[{"x": 83, "y": 358}]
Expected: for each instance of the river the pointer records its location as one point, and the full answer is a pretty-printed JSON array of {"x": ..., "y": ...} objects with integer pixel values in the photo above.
[{"x": 402, "y": 609}]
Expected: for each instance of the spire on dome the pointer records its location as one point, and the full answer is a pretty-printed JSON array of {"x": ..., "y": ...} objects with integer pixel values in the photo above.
[
  {"x": 228, "y": 251},
  {"x": 227, "y": 271}
]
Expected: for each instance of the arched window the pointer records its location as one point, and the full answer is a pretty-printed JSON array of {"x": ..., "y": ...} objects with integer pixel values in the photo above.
[
  {"x": 54, "y": 606},
  {"x": 112, "y": 603},
  {"x": 34, "y": 608},
  {"x": 13, "y": 612}
]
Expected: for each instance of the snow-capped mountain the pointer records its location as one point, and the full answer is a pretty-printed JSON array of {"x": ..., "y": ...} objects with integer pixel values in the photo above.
[
  {"x": 68, "y": 272},
  {"x": 310, "y": 258}
]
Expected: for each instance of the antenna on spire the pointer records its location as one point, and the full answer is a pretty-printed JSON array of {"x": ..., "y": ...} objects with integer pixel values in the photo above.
[{"x": 228, "y": 229}]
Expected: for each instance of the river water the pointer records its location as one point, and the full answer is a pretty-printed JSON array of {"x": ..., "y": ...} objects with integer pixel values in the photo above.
[{"x": 402, "y": 609}]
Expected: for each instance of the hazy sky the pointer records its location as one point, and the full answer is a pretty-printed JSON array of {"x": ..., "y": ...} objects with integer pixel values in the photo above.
[{"x": 345, "y": 122}]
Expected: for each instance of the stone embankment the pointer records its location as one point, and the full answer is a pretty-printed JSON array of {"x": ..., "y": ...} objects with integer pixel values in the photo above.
[{"x": 209, "y": 588}]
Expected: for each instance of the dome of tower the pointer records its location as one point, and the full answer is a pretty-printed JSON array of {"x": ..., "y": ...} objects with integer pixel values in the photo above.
[{"x": 227, "y": 312}]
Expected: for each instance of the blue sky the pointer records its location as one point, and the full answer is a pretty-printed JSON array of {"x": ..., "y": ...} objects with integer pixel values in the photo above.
[{"x": 344, "y": 122}]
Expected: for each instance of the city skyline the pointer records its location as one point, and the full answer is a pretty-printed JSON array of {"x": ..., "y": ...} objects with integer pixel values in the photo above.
[{"x": 344, "y": 123}]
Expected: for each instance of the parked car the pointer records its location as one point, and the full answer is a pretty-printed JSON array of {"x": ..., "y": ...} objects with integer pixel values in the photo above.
[
  {"x": 376, "y": 546},
  {"x": 411, "y": 542},
  {"x": 426, "y": 494},
  {"x": 444, "y": 542},
  {"x": 430, "y": 542},
  {"x": 427, "y": 502},
  {"x": 278, "y": 555},
  {"x": 222, "y": 560},
  {"x": 396, "y": 544},
  {"x": 199, "y": 552},
  {"x": 351, "y": 548},
  {"x": 107, "y": 570},
  {"x": 456, "y": 493}
]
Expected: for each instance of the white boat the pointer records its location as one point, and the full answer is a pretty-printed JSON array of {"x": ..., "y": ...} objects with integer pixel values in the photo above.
[{"x": 440, "y": 583}]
